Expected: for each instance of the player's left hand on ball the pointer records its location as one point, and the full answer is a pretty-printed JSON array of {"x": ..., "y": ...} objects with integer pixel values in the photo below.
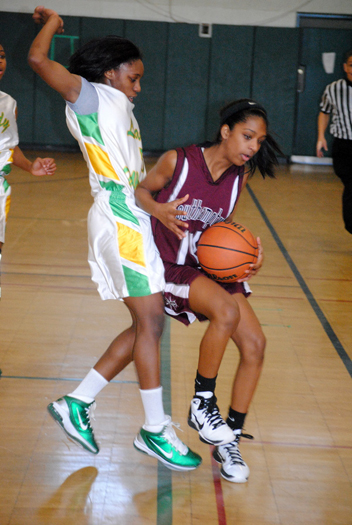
[{"x": 255, "y": 267}]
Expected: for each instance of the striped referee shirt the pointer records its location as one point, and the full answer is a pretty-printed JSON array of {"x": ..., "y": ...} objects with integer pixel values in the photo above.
[{"x": 337, "y": 99}]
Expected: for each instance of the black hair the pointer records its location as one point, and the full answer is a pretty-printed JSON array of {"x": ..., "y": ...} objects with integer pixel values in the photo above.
[
  {"x": 348, "y": 54},
  {"x": 99, "y": 55},
  {"x": 239, "y": 111}
]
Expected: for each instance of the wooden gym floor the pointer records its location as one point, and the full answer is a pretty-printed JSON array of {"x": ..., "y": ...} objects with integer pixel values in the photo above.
[{"x": 54, "y": 327}]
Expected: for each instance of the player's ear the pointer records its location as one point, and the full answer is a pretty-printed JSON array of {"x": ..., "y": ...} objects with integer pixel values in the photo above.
[
  {"x": 225, "y": 131},
  {"x": 109, "y": 74}
]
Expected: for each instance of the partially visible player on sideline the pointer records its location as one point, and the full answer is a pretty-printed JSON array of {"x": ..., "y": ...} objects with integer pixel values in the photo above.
[
  {"x": 337, "y": 101},
  {"x": 99, "y": 87},
  {"x": 211, "y": 176},
  {"x": 10, "y": 153}
]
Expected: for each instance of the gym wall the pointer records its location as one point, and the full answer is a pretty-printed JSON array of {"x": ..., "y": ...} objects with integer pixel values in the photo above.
[{"x": 187, "y": 78}]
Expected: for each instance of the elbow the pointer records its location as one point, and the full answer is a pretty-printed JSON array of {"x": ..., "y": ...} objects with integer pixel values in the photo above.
[
  {"x": 36, "y": 60},
  {"x": 137, "y": 193}
]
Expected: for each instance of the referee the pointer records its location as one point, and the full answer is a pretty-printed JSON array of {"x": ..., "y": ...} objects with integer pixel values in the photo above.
[{"x": 337, "y": 100}]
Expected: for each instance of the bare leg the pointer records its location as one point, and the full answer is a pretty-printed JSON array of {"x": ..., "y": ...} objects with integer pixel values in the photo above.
[
  {"x": 211, "y": 300},
  {"x": 250, "y": 341},
  {"x": 148, "y": 315},
  {"x": 139, "y": 342},
  {"x": 118, "y": 355}
]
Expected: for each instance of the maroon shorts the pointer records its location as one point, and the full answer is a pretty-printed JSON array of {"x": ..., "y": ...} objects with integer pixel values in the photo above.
[{"x": 178, "y": 280}]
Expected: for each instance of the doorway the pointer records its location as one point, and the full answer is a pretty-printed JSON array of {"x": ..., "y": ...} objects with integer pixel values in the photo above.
[{"x": 319, "y": 34}]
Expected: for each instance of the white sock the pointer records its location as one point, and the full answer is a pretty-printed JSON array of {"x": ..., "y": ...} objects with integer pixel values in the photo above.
[
  {"x": 152, "y": 400},
  {"x": 90, "y": 387}
]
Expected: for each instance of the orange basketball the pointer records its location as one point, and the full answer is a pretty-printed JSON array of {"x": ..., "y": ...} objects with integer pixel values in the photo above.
[{"x": 225, "y": 251}]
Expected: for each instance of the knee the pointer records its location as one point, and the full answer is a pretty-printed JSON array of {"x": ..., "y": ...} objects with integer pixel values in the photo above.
[
  {"x": 227, "y": 315},
  {"x": 260, "y": 344},
  {"x": 255, "y": 349},
  {"x": 153, "y": 323},
  {"x": 159, "y": 323}
]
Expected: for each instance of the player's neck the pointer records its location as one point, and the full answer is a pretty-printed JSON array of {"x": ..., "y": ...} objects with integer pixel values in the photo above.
[{"x": 216, "y": 162}]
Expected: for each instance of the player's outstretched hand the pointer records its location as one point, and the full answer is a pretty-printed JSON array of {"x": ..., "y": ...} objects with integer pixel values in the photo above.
[
  {"x": 167, "y": 213},
  {"x": 254, "y": 268},
  {"x": 42, "y": 14},
  {"x": 43, "y": 167}
]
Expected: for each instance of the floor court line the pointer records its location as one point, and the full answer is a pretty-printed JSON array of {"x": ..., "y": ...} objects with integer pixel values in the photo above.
[
  {"x": 49, "y": 287},
  {"x": 219, "y": 496},
  {"x": 47, "y": 181},
  {"x": 165, "y": 491},
  {"x": 317, "y": 310},
  {"x": 301, "y": 445},
  {"x": 31, "y": 274},
  {"x": 41, "y": 265},
  {"x": 73, "y": 379},
  {"x": 164, "y": 496}
]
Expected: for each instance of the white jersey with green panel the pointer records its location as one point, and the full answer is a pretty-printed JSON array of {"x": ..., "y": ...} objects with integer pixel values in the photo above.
[
  {"x": 8, "y": 142},
  {"x": 122, "y": 255}
]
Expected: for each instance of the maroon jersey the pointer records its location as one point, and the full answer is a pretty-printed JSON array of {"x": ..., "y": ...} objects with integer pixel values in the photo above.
[{"x": 209, "y": 202}]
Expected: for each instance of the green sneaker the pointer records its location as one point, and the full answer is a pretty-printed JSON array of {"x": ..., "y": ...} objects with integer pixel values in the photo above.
[
  {"x": 167, "y": 448},
  {"x": 72, "y": 415}
]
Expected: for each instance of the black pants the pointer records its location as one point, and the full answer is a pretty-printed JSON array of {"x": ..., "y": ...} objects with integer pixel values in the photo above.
[{"x": 342, "y": 162}]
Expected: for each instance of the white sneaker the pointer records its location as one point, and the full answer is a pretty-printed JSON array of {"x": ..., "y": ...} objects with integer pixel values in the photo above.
[
  {"x": 205, "y": 417},
  {"x": 233, "y": 468}
]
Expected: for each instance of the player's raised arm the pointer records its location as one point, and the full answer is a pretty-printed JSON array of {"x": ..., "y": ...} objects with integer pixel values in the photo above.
[{"x": 53, "y": 73}]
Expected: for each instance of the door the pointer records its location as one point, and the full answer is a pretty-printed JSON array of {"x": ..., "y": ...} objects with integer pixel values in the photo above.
[{"x": 314, "y": 41}]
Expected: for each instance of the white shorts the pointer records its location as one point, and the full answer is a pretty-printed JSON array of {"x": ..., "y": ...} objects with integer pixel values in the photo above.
[
  {"x": 5, "y": 201},
  {"x": 123, "y": 258}
]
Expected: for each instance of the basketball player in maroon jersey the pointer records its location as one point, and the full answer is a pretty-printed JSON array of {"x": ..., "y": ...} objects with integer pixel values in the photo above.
[{"x": 196, "y": 187}]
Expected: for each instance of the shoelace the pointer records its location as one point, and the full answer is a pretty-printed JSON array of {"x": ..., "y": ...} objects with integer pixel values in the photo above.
[
  {"x": 170, "y": 435},
  {"x": 234, "y": 452},
  {"x": 213, "y": 415},
  {"x": 90, "y": 414}
]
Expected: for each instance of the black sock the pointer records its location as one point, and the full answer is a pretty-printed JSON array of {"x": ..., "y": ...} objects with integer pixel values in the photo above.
[
  {"x": 235, "y": 419},
  {"x": 204, "y": 384}
]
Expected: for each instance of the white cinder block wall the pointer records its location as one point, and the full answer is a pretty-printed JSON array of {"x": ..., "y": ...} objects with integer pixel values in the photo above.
[{"x": 279, "y": 13}]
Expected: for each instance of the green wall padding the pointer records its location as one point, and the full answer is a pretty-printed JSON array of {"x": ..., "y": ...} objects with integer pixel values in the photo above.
[
  {"x": 99, "y": 27},
  {"x": 17, "y": 30},
  {"x": 274, "y": 79},
  {"x": 187, "y": 78},
  {"x": 150, "y": 103},
  {"x": 186, "y": 86},
  {"x": 229, "y": 71}
]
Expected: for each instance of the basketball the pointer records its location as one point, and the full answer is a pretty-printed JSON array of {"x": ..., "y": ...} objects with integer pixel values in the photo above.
[{"x": 225, "y": 251}]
